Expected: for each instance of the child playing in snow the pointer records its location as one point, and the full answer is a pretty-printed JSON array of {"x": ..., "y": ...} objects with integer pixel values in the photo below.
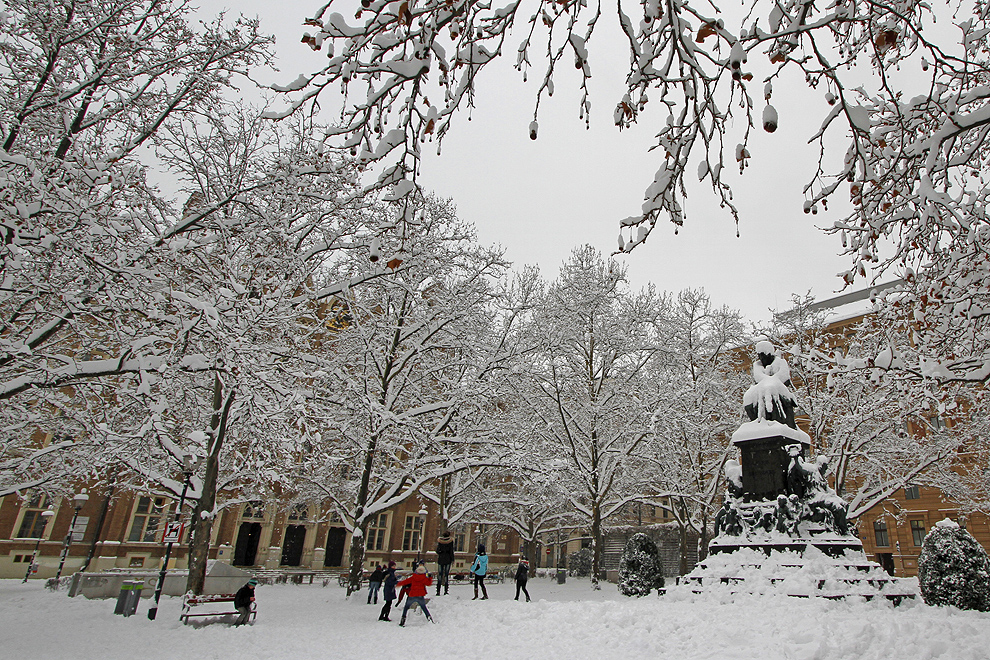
[{"x": 417, "y": 582}]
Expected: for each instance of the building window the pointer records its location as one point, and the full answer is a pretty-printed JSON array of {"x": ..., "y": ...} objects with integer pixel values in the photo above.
[
  {"x": 33, "y": 523},
  {"x": 147, "y": 519},
  {"x": 412, "y": 533},
  {"x": 299, "y": 512},
  {"x": 254, "y": 509},
  {"x": 918, "y": 532},
  {"x": 376, "y": 532},
  {"x": 459, "y": 540},
  {"x": 880, "y": 531},
  {"x": 912, "y": 493}
]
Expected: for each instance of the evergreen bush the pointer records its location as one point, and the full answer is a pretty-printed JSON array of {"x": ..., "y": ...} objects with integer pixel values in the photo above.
[
  {"x": 640, "y": 570},
  {"x": 954, "y": 569}
]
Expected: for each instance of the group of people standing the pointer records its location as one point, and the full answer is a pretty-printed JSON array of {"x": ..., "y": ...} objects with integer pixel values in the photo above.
[{"x": 413, "y": 588}]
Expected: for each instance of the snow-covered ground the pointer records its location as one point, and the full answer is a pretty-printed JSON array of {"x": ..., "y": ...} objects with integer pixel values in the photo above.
[{"x": 567, "y": 621}]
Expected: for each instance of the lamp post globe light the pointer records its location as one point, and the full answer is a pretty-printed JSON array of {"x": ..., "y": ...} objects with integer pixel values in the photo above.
[
  {"x": 46, "y": 515},
  {"x": 78, "y": 500},
  {"x": 188, "y": 461}
]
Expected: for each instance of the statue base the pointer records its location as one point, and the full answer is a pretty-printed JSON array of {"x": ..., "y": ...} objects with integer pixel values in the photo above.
[{"x": 834, "y": 569}]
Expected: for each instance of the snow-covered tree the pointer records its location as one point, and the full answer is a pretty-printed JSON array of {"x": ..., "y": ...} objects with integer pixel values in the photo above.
[
  {"x": 640, "y": 570},
  {"x": 954, "y": 569},
  {"x": 587, "y": 389},
  {"x": 701, "y": 389},
  {"x": 399, "y": 394},
  {"x": 84, "y": 87}
]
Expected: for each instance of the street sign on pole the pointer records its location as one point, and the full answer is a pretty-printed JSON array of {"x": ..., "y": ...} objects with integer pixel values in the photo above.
[{"x": 173, "y": 532}]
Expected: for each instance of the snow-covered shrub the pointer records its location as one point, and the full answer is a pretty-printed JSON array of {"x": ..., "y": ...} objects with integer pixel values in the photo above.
[
  {"x": 640, "y": 570},
  {"x": 954, "y": 569},
  {"x": 579, "y": 563}
]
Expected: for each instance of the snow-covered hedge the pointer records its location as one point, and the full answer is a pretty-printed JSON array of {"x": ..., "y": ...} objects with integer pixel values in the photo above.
[
  {"x": 640, "y": 570},
  {"x": 954, "y": 569}
]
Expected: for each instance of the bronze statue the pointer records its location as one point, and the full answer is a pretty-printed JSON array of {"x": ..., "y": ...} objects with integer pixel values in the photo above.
[{"x": 770, "y": 397}]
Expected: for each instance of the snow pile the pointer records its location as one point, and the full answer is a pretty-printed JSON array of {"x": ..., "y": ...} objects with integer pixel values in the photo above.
[
  {"x": 783, "y": 573},
  {"x": 762, "y": 428}
]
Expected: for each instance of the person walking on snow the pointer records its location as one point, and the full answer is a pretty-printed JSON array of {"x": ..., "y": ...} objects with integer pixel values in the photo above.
[
  {"x": 388, "y": 591},
  {"x": 374, "y": 582},
  {"x": 479, "y": 569},
  {"x": 418, "y": 582},
  {"x": 522, "y": 576},
  {"x": 242, "y": 602},
  {"x": 445, "y": 557}
]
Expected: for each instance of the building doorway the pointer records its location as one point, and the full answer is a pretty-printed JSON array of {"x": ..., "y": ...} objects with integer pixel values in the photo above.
[
  {"x": 886, "y": 561},
  {"x": 292, "y": 545},
  {"x": 246, "y": 548},
  {"x": 335, "y": 547}
]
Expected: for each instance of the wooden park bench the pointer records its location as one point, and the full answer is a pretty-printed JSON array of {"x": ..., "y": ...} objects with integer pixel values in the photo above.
[{"x": 218, "y": 605}]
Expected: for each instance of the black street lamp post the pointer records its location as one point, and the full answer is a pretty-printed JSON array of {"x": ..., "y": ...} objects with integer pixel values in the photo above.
[
  {"x": 186, "y": 474},
  {"x": 421, "y": 515},
  {"x": 78, "y": 500},
  {"x": 47, "y": 515}
]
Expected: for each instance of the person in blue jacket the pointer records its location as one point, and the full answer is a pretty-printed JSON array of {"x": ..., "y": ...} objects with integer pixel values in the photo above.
[{"x": 479, "y": 569}]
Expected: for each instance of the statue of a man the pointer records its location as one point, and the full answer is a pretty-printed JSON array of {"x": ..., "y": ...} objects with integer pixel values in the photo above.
[{"x": 770, "y": 397}]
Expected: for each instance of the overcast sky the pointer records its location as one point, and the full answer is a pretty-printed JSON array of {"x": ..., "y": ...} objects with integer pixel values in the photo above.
[{"x": 539, "y": 199}]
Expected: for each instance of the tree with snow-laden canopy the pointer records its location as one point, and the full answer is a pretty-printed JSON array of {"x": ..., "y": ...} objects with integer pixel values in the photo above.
[
  {"x": 954, "y": 569},
  {"x": 640, "y": 570},
  {"x": 84, "y": 89},
  {"x": 587, "y": 387},
  {"x": 399, "y": 397},
  {"x": 700, "y": 384},
  {"x": 905, "y": 83}
]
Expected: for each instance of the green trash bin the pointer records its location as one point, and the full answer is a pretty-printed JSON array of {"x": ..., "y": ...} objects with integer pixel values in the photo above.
[{"x": 561, "y": 575}]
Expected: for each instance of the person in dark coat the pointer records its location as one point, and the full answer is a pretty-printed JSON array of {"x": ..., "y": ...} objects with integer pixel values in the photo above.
[
  {"x": 388, "y": 591},
  {"x": 522, "y": 576},
  {"x": 375, "y": 582},
  {"x": 242, "y": 602},
  {"x": 445, "y": 557}
]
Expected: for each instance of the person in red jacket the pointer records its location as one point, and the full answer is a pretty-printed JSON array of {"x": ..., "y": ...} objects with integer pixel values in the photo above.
[{"x": 418, "y": 582}]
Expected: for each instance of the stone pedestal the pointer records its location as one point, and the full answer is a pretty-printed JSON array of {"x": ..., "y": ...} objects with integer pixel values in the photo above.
[
  {"x": 764, "y": 467},
  {"x": 764, "y": 459}
]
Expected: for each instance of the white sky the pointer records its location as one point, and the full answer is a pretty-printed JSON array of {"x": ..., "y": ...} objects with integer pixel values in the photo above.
[{"x": 572, "y": 186}]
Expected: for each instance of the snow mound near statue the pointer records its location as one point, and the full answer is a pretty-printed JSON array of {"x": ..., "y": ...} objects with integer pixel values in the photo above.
[{"x": 808, "y": 574}]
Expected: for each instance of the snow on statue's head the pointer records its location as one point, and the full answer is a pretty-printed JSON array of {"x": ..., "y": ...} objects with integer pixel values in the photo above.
[{"x": 766, "y": 351}]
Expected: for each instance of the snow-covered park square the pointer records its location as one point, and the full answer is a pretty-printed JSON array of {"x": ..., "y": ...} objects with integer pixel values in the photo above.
[{"x": 567, "y": 621}]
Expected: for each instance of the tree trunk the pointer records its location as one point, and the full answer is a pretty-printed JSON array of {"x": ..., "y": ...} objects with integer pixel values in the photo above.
[
  {"x": 355, "y": 558},
  {"x": 682, "y": 532},
  {"x": 596, "y": 546},
  {"x": 202, "y": 514}
]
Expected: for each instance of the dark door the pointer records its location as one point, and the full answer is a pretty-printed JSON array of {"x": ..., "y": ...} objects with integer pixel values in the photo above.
[
  {"x": 246, "y": 548},
  {"x": 886, "y": 561},
  {"x": 335, "y": 547},
  {"x": 292, "y": 545}
]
